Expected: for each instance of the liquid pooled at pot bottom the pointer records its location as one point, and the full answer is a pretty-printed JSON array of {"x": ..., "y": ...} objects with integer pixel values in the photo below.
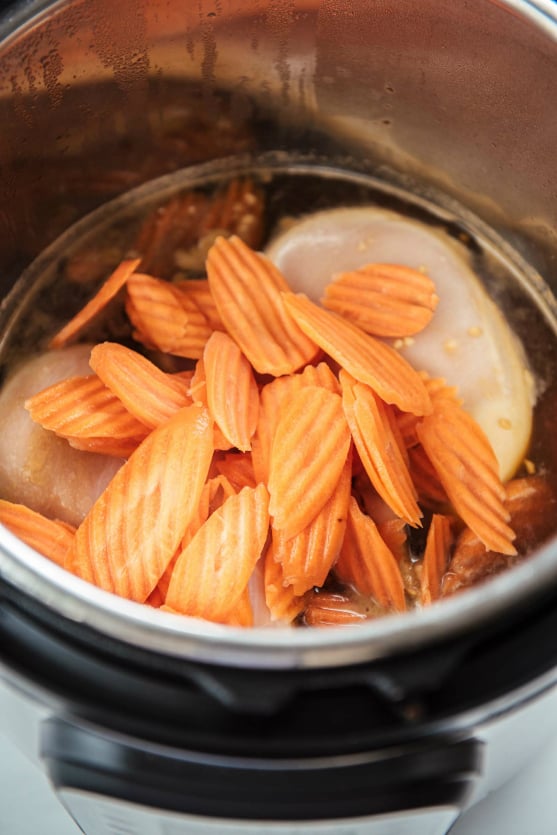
[{"x": 332, "y": 537}]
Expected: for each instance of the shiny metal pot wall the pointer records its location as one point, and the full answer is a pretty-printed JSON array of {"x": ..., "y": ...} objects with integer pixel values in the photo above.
[{"x": 93, "y": 101}]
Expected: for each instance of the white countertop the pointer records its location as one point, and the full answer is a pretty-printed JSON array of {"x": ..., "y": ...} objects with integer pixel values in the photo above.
[{"x": 525, "y": 806}]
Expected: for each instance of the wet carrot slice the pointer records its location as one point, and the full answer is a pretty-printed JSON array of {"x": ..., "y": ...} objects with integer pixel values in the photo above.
[
  {"x": 96, "y": 305},
  {"x": 327, "y": 608},
  {"x": 367, "y": 359},
  {"x": 283, "y": 603},
  {"x": 165, "y": 317},
  {"x": 308, "y": 455},
  {"x": 272, "y": 396},
  {"x": 436, "y": 558},
  {"x": 88, "y": 414},
  {"x": 308, "y": 557},
  {"x": 388, "y": 300},
  {"x": 247, "y": 288},
  {"x": 431, "y": 493},
  {"x": 199, "y": 291},
  {"x": 132, "y": 531},
  {"x": 393, "y": 534},
  {"x": 49, "y": 537},
  {"x": 198, "y": 392},
  {"x": 148, "y": 393},
  {"x": 212, "y": 573},
  {"x": 367, "y": 563},
  {"x": 242, "y": 613},
  {"x": 232, "y": 393},
  {"x": 468, "y": 470},
  {"x": 237, "y": 468},
  {"x": 437, "y": 389},
  {"x": 379, "y": 448}
]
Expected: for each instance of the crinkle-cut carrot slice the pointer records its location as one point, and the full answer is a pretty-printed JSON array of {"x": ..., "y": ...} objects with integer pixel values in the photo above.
[
  {"x": 212, "y": 572},
  {"x": 232, "y": 393},
  {"x": 148, "y": 393},
  {"x": 117, "y": 448},
  {"x": 49, "y": 537},
  {"x": 247, "y": 289},
  {"x": 367, "y": 359},
  {"x": 468, "y": 470},
  {"x": 388, "y": 300},
  {"x": 308, "y": 455},
  {"x": 198, "y": 392},
  {"x": 367, "y": 563},
  {"x": 436, "y": 558},
  {"x": 272, "y": 396},
  {"x": 379, "y": 448},
  {"x": 165, "y": 317},
  {"x": 199, "y": 291},
  {"x": 87, "y": 413},
  {"x": 283, "y": 603},
  {"x": 393, "y": 533},
  {"x": 95, "y": 306},
  {"x": 431, "y": 493},
  {"x": 328, "y": 608},
  {"x": 133, "y": 530},
  {"x": 437, "y": 389},
  {"x": 242, "y": 613},
  {"x": 237, "y": 467},
  {"x": 308, "y": 557}
]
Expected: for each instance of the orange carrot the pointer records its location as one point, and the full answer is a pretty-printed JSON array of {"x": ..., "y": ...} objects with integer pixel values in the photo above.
[
  {"x": 133, "y": 530},
  {"x": 237, "y": 467},
  {"x": 437, "y": 388},
  {"x": 199, "y": 291},
  {"x": 468, "y": 470},
  {"x": 49, "y": 537},
  {"x": 165, "y": 317},
  {"x": 393, "y": 534},
  {"x": 387, "y": 300},
  {"x": 246, "y": 288},
  {"x": 332, "y": 608},
  {"x": 368, "y": 360},
  {"x": 88, "y": 314},
  {"x": 308, "y": 557},
  {"x": 436, "y": 558},
  {"x": 198, "y": 391},
  {"x": 212, "y": 572},
  {"x": 232, "y": 393},
  {"x": 308, "y": 454},
  {"x": 148, "y": 393},
  {"x": 379, "y": 448},
  {"x": 283, "y": 603},
  {"x": 242, "y": 613},
  {"x": 431, "y": 493},
  {"x": 88, "y": 414},
  {"x": 367, "y": 563}
]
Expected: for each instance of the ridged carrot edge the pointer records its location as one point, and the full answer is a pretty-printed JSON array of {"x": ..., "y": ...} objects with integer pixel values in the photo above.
[
  {"x": 367, "y": 563},
  {"x": 232, "y": 393},
  {"x": 212, "y": 573},
  {"x": 96, "y": 305},
  {"x": 436, "y": 558},
  {"x": 367, "y": 359},
  {"x": 49, "y": 537},
  {"x": 132, "y": 531},
  {"x": 282, "y": 601},
  {"x": 308, "y": 454}
]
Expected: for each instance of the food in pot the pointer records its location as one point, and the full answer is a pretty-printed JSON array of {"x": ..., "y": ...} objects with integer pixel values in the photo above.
[{"x": 322, "y": 434}]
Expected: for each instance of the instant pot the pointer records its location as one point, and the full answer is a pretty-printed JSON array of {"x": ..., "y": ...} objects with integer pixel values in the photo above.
[{"x": 149, "y": 723}]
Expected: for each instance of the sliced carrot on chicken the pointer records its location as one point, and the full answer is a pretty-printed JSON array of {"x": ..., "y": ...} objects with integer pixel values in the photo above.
[
  {"x": 282, "y": 601},
  {"x": 213, "y": 571},
  {"x": 95, "y": 306},
  {"x": 165, "y": 317},
  {"x": 469, "y": 472},
  {"x": 308, "y": 557},
  {"x": 247, "y": 289},
  {"x": 232, "y": 393},
  {"x": 436, "y": 558},
  {"x": 133, "y": 530},
  {"x": 88, "y": 414},
  {"x": 272, "y": 396},
  {"x": 49, "y": 537},
  {"x": 148, "y": 393},
  {"x": 308, "y": 455},
  {"x": 237, "y": 467},
  {"x": 367, "y": 359},
  {"x": 388, "y": 300},
  {"x": 367, "y": 563},
  {"x": 379, "y": 448}
]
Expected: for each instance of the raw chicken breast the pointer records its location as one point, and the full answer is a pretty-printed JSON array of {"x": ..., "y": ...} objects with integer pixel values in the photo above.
[{"x": 468, "y": 342}]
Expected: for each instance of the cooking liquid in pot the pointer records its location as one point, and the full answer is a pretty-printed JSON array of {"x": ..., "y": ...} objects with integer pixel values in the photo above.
[{"x": 171, "y": 225}]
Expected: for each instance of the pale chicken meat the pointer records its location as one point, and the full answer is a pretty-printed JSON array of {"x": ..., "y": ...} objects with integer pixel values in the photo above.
[{"x": 468, "y": 342}]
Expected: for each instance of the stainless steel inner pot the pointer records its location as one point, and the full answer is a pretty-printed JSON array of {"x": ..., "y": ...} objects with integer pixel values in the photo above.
[{"x": 455, "y": 99}]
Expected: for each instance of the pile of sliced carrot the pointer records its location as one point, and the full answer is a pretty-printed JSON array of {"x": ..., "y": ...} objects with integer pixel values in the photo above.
[{"x": 296, "y": 453}]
